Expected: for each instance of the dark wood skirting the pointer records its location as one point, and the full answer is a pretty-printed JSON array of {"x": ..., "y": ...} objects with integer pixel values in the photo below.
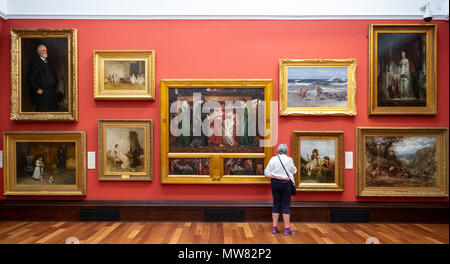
[{"x": 407, "y": 212}]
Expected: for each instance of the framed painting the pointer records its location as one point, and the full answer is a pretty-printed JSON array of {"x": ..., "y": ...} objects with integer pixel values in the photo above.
[
  {"x": 44, "y": 75},
  {"x": 44, "y": 163},
  {"x": 319, "y": 158},
  {"x": 124, "y": 75},
  {"x": 402, "y": 162},
  {"x": 215, "y": 131},
  {"x": 125, "y": 150},
  {"x": 402, "y": 70},
  {"x": 317, "y": 87}
]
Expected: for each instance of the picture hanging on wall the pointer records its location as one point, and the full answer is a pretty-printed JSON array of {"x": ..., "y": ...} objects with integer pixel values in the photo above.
[
  {"x": 215, "y": 131},
  {"x": 44, "y": 75},
  {"x": 317, "y": 87},
  {"x": 402, "y": 70},
  {"x": 319, "y": 158},
  {"x": 125, "y": 150},
  {"x": 124, "y": 75},
  {"x": 402, "y": 162},
  {"x": 44, "y": 163}
]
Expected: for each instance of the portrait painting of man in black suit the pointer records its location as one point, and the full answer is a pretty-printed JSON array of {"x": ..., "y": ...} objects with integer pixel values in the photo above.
[{"x": 44, "y": 75}]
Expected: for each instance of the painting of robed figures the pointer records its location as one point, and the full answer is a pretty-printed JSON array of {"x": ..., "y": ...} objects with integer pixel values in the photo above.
[{"x": 216, "y": 131}]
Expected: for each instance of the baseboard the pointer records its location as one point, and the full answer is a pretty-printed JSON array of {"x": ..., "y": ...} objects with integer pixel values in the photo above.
[{"x": 406, "y": 212}]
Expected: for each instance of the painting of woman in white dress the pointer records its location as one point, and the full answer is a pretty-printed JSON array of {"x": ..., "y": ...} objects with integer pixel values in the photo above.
[
  {"x": 125, "y": 151},
  {"x": 401, "y": 68},
  {"x": 38, "y": 170}
]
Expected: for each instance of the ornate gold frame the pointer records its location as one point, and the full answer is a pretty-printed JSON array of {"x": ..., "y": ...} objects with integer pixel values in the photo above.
[
  {"x": 216, "y": 159},
  {"x": 441, "y": 158},
  {"x": 103, "y": 174},
  {"x": 338, "y": 185},
  {"x": 10, "y": 169},
  {"x": 431, "y": 66},
  {"x": 16, "y": 72},
  {"x": 350, "y": 110},
  {"x": 143, "y": 55}
]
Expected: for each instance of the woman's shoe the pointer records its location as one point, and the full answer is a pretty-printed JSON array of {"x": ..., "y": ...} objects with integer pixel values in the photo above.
[
  {"x": 289, "y": 232},
  {"x": 274, "y": 230}
]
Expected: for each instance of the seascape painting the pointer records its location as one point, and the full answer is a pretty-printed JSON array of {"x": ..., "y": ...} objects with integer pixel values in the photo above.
[
  {"x": 401, "y": 161},
  {"x": 317, "y": 87}
]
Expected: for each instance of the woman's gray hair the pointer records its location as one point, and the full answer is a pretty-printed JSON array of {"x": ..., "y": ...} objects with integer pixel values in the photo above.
[{"x": 282, "y": 149}]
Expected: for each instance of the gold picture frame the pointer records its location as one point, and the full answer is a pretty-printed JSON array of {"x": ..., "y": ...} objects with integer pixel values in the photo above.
[
  {"x": 125, "y": 150},
  {"x": 124, "y": 75},
  {"x": 319, "y": 158},
  {"x": 402, "y": 161},
  {"x": 203, "y": 159},
  {"x": 402, "y": 70},
  {"x": 59, "y": 102},
  {"x": 317, "y": 87},
  {"x": 44, "y": 163}
]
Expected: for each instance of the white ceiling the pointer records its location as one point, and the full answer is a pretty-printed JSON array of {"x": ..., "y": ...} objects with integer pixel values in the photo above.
[{"x": 220, "y": 9}]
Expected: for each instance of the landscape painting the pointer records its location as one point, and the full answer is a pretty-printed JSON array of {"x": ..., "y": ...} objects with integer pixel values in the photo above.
[
  {"x": 402, "y": 162},
  {"x": 396, "y": 161}
]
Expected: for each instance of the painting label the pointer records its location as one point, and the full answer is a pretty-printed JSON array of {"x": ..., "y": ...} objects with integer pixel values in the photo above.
[
  {"x": 91, "y": 160},
  {"x": 349, "y": 160},
  {"x": 1, "y": 158}
]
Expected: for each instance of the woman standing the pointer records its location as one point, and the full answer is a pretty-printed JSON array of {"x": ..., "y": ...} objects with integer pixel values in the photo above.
[{"x": 281, "y": 169}]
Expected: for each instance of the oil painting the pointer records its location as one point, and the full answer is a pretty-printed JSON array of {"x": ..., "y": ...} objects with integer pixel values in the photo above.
[
  {"x": 124, "y": 75},
  {"x": 402, "y": 69},
  {"x": 317, "y": 87},
  {"x": 44, "y": 75},
  {"x": 318, "y": 157},
  {"x": 45, "y": 163},
  {"x": 408, "y": 162},
  {"x": 125, "y": 149},
  {"x": 215, "y": 131}
]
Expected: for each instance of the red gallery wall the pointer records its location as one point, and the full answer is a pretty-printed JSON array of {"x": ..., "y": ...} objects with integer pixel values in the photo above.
[{"x": 219, "y": 49}]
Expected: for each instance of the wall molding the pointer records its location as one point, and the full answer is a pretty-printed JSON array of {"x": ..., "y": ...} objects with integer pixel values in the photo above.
[{"x": 217, "y": 17}]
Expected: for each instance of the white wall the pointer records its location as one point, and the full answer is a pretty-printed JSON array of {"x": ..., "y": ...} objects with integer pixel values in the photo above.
[
  {"x": 3, "y": 9},
  {"x": 223, "y": 9}
]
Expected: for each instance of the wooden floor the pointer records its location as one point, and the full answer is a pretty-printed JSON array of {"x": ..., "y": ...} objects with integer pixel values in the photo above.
[{"x": 218, "y": 233}]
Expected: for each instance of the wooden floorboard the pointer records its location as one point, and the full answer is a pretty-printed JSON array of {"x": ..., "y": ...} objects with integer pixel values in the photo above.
[{"x": 219, "y": 233}]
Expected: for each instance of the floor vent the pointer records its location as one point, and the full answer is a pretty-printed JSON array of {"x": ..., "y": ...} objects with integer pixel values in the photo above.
[
  {"x": 349, "y": 216},
  {"x": 89, "y": 215},
  {"x": 224, "y": 215}
]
